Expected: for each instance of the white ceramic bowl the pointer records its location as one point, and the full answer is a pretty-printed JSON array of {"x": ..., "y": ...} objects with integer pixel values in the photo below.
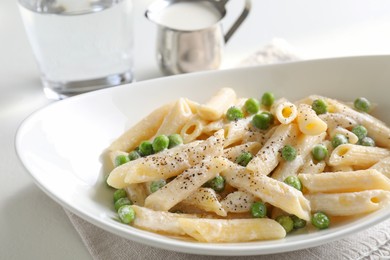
[{"x": 61, "y": 145}]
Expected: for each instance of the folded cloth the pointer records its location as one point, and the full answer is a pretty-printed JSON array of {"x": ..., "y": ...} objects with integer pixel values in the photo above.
[{"x": 373, "y": 243}]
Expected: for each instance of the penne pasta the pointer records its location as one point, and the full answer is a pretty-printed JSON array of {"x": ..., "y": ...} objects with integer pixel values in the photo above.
[
  {"x": 203, "y": 175},
  {"x": 310, "y": 166},
  {"x": 143, "y": 130},
  {"x": 304, "y": 146},
  {"x": 383, "y": 166},
  {"x": 207, "y": 200},
  {"x": 349, "y": 204},
  {"x": 255, "y": 135},
  {"x": 192, "y": 129},
  {"x": 232, "y": 230},
  {"x": 235, "y": 130},
  {"x": 212, "y": 127},
  {"x": 216, "y": 107},
  {"x": 342, "y": 168},
  {"x": 352, "y": 138},
  {"x": 268, "y": 190},
  {"x": 185, "y": 184},
  {"x": 357, "y": 155},
  {"x": 167, "y": 163},
  {"x": 377, "y": 129},
  {"x": 159, "y": 221},
  {"x": 233, "y": 152},
  {"x": 284, "y": 111},
  {"x": 238, "y": 202},
  {"x": 176, "y": 118},
  {"x": 308, "y": 121},
  {"x": 334, "y": 120},
  {"x": 137, "y": 193},
  {"x": 331, "y": 182},
  {"x": 268, "y": 156}
]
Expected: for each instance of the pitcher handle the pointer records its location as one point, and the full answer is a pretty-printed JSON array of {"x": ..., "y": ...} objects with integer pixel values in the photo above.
[{"x": 239, "y": 20}]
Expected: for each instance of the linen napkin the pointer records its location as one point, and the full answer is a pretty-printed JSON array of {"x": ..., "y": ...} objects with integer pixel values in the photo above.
[{"x": 373, "y": 243}]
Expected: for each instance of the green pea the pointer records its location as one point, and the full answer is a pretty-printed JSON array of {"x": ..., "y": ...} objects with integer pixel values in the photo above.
[
  {"x": 289, "y": 153},
  {"x": 120, "y": 202},
  {"x": 271, "y": 116},
  {"x": 319, "y": 152},
  {"x": 362, "y": 104},
  {"x": 267, "y": 99},
  {"x": 339, "y": 139},
  {"x": 146, "y": 148},
  {"x": 118, "y": 194},
  {"x": 217, "y": 184},
  {"x": 319, "y": 106},
  {"x": 262, "y": 121},
  {"x": 252, "y": 106},
  {"x": 133, "y": 155},
  {"x": 286, "y": 222},
  {"x": 367, "y": 141},
  {"x": 234, "y": 113},
  {"x": 320, "y": 220},
  {"x": 174, "y": 140},
  {"x": 294, "y": 182},
  {"x": 121, "y": 159},
  {"x": 126, "y": 214},
  {"x": 160, "y": 143},
  {"x": 258, "y": 210},
  {"x": 298, "y": 223},
  {"x": 156, "y": 185},
  {"x": 244, "y": 158},
  {"x": 360, "y": 131}
]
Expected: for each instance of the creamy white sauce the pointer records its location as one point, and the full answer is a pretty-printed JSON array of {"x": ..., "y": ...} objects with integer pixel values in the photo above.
[{"x": 188, "y": 16}]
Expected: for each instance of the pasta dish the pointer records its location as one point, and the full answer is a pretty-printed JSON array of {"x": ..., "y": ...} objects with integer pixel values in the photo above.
[{"x": 245, "y": 169}]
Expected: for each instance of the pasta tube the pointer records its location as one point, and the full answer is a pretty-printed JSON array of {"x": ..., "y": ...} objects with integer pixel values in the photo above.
[
  {"x": 330, "y": 182},
  {"x": 238, "y": 202},
  {"x": 176, "y": 118},
  {"x": 377, "y": 129},
  {"x": 185, "y": 184},
  {"x": 383, "y": 166},
  {"x": 141, "y": 131},
  {"x": 349, "y": 204},
  {"x": 268, "y": 156},
  {"x": 284, "y": 111},
  {"x": 352, "y": 138},
  {"x": 137, "y": 193},
  {"x": 304, "y": 146},
  {"x": 357, "y": 155},
  {"x": 334, "y": 120},
  {"x": 217, "y": 105},
  {"x": 232, "y": 230},
  {"x": 167, "y": 163},
  {"x": 233, "y": 152},
  {"x": 235, "y": 130},
  {"x": 213, "y": 126},
  {"x": 308, "y": 121},
  {"x": 192, "y": 129},
  {"x": 159, "y": 221},
  {"x": 206, "y": 199},
  {"x": 268, "y": 190},
  {"x": 312, "y": 167}
]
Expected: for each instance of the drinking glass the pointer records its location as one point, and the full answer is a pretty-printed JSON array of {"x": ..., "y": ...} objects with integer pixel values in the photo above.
[{"x": 80, "y": 45}]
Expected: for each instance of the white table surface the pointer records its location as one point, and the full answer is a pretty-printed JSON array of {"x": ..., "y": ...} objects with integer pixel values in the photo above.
[{"x": 32, "y": 226}]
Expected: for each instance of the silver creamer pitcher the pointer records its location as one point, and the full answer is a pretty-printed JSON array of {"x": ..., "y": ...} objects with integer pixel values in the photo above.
[{"x": 186, "y": 49}]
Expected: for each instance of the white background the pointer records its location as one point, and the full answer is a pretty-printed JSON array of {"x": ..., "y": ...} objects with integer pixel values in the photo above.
[{"x": 32, "y": 226}]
